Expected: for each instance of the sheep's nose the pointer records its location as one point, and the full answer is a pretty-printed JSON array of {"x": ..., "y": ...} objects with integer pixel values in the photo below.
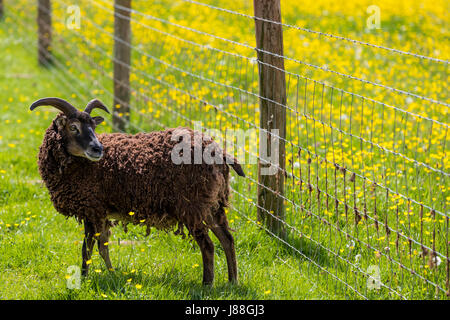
[{"x": 97, "y": 148}]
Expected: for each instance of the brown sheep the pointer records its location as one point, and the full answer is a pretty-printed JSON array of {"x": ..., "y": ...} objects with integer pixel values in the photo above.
[{"x": 99, "y": 179}]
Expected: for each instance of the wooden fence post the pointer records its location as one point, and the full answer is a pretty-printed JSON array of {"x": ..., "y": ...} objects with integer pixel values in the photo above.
[
  {"x": 272, "y": 91},
  {"x": 122, "y": 60},
  {"x": 44, "y": 21},
  {"x": 1, "y": 9}
]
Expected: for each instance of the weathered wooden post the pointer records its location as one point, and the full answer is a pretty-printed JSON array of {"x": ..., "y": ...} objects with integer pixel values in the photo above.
[
  {"x": 122, "y": 60},
  {"x": 272, "y": 91},
  {"x": 44, "y": 20},
  {"x": 1, "y": 9}
]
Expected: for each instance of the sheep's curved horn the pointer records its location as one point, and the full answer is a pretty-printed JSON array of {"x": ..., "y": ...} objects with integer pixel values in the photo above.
[
  {"x": 58, "y": 103},
  {"x": 95, "y": 103}
]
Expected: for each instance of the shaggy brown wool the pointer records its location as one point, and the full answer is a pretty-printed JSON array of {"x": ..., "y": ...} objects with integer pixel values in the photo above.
[{"x": 136, "y": 174}]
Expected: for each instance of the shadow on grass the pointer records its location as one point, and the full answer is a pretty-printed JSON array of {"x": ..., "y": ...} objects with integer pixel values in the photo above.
[
  {"x": 117, "y": 285},
  {"x": 300, "y": 248}
]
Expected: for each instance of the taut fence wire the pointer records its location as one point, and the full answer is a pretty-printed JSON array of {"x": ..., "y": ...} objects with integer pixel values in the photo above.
[{"x": 366, "y": 168}]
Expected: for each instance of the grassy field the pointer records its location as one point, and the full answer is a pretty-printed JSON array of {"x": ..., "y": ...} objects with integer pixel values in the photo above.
[{"x": 328, "y": 249}]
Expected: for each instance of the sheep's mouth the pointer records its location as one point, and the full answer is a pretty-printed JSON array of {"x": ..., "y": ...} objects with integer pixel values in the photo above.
[{"x": 93, "y": 156}]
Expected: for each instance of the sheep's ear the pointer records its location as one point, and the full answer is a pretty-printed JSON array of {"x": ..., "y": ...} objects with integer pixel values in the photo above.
[
  {"x": 98, "y": 120},
  {"x": 61, "y": 123}
]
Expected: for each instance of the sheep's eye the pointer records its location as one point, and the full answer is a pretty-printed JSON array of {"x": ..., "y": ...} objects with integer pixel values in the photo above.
[{"x": 73, "y": 128}]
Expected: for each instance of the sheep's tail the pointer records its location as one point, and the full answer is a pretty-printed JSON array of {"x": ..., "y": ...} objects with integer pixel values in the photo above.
[{"x": 232, "y": 161}]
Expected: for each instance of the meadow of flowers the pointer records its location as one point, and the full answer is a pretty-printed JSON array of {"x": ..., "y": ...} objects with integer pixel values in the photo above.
[{"x": 366, "y": 165}]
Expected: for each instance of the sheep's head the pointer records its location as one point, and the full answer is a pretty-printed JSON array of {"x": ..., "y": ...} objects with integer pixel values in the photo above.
[{"x": 77, "y": 127}]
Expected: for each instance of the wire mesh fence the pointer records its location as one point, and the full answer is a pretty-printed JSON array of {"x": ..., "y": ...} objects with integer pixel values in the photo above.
[{"x": 366, "y": 167}]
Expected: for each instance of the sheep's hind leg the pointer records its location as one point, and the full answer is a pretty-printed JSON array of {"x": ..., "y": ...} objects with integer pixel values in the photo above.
[
  {"x": 221, "y": 231},
  {"x": 103, "y": 247},
  {"x": 207, "y": 248},
  {"x": 88, "y": 245}
]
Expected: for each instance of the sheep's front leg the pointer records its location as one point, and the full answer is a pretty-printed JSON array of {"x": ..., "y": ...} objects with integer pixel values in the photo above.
[
  {"x": 88, "y": 245},
  {"x": 207, "y": 249},
  {"x": 103, "y": 247}
]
